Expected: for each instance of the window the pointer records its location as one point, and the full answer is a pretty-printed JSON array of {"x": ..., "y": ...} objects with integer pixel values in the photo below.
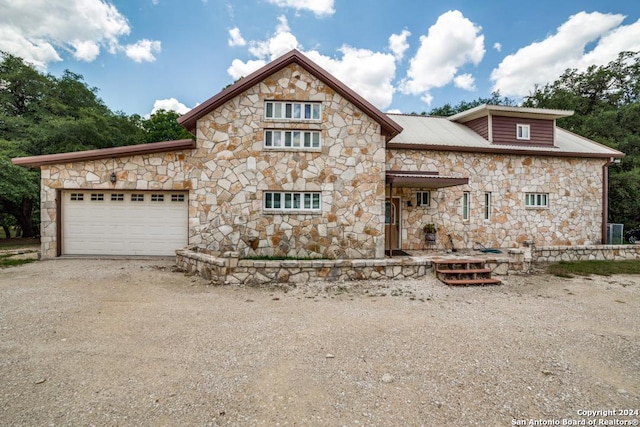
[
  {"x": 76, "y": 197},
  {"x": 536, "y": 200},
  {"x": 97, "y": 197},
  {"x": 487, "y": 206},
  {"x": 137, "y": 197},
  {"x": 291, "y": 139},
  {"x": 157, "y": 197},
  {"x": 389, "y": 213},
  {"x": 292, "y": 201},
  {"x": 177, "y": 197},
  {"x": 292, "y": 110},
  {"x": 117, "y": 197},
  {"x": 466, "y": 206},
  {"x": 522, "y": 132},
  {"x": 422, "y": 198}
]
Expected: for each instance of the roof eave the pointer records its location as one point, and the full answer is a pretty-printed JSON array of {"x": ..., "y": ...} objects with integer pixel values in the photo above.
[
  {"x": 105, "y": 153},
  {"x": 189, "y": 120}
]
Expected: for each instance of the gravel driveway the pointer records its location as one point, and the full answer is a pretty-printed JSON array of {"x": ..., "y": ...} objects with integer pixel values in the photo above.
[{"x": 122, "y": 342}]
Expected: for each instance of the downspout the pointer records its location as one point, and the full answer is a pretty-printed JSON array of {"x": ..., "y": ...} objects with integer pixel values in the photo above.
[{"x": 605, "y": 199}]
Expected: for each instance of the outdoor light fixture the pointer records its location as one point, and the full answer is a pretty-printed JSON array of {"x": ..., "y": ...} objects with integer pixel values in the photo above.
[
  {"x": 409, "y": 204},
  {"x": 112, "y": 177}
]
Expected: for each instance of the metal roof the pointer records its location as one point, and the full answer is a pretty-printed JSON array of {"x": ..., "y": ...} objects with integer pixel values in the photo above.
[{"x": 440, "y": 133}]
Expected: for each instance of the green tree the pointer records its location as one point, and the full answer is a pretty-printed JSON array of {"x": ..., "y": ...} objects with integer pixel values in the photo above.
[
  {"x": 163, "y": 126},
  {"x": 449, "y": 110}
]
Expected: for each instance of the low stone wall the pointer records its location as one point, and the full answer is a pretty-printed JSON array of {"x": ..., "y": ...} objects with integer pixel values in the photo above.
[
  {"x": 585, "y": 253},
  {"x": 228, "y": 269}
]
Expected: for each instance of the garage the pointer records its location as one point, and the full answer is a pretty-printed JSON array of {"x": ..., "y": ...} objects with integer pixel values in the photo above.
[{"x": 97, "y": 222}]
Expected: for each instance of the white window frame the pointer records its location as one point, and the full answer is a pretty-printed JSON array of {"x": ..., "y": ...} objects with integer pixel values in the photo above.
[
  {"x": 466, "y": 206},
  {"x": 487, "y": 206},
  {"x": 295, "y": 139},
  {"x": 523, "y": 132},
  {"x": 536, "y": 200},
  {"x": 290, "y": 110},
  {"x": 292, "y": 201},
  {"x": 423, "y": 199}
]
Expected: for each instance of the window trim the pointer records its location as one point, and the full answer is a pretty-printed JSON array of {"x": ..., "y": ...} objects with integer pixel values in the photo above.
[
  {"x": 298, "y": 201},
  {"x": 487, "y": 206},
  {"x": 420, "y": 199},
  {"x": 523, "y": 132},
  {"x": 466, "y": 206},
  {"x": 535, "y": 200},
  {"x": 282, "y": 139},
  {"x": 279, "y": 110}
]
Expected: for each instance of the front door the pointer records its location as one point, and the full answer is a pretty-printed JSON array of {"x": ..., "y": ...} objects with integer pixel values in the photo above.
[{"x": 392, "y": 223}]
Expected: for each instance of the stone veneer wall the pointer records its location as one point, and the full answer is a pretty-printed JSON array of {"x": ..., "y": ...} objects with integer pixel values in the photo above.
[
  {"x": 574, "y": 215},
  {"x": 236, "y": 170},
  {"x": 162, "y": 171}
]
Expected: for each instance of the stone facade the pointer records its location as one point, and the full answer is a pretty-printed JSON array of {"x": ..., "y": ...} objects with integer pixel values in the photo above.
[
  {"x": 573, "y": 217},
  {"x": 236, "y": 170}
]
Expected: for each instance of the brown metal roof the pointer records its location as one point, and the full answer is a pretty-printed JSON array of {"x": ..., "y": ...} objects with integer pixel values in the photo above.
[
  {"x": 401, "y": 178},
  {"x": 105, "y": 153},
  {"x": 389, "y": 127}
]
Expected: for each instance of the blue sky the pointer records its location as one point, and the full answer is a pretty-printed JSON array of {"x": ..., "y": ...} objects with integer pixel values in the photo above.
[{"x": 403, "y": 56}]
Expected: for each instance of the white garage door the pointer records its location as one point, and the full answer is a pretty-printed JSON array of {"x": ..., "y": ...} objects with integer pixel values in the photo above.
[{"x": 98, "y": 222}]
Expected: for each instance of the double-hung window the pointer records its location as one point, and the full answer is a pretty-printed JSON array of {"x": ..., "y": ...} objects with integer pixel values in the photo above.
[
  {"x": 422, "y": 198},
  {"x": 308, "y": 111},
  {"x": 536, "y": 200},
  {"x": 291, "y": 139},
  {"x": 290, "y": 201},
  {"x": 523, "y": 132}
]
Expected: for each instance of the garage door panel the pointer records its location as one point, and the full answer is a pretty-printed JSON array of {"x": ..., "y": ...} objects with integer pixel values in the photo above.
[{"x": 124, "y": 223}]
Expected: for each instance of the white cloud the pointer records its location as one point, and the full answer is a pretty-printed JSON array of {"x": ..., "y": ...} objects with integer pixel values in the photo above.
[
  {"x": 37, "y": 30},
  {"x": 497, "y": 46},
  {"x": 544, "y": 61},
  {"x": 394, "y": 111},
  {"x": 319, "y": 7},
  {"x": 279, "y": 44},
  {"x": 143, "y": 50},
  {"x": 465, "y": 81},
  {"x": 452, "y": 42},
  {"x": 241, "y": 69},
  {"x": 170, "y": 104},
  {"x": 235, "y": 38},
  {"x": 398, "y": 43},
  {"x": 368, "y": 73}
]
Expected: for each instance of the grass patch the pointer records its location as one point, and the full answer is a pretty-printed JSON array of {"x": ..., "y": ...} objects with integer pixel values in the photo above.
[
  {"x": 17, "y": 243},
  {"x": 570, "y": 269},
  {"x": 281, "y": 258},
  {"x": 7, "y": 261}
]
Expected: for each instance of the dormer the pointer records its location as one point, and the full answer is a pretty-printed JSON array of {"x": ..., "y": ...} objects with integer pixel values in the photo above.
[{"x": 503, "y": 125}]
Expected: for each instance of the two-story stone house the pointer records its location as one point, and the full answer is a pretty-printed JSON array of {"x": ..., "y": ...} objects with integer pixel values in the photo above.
[{"x": 290, "y": 161}]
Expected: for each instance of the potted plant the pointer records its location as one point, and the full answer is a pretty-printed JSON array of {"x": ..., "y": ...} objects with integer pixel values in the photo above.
[{"x": 429, "y": 232}]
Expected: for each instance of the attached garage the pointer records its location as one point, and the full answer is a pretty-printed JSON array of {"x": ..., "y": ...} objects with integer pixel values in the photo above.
[{"x": 97, "y": 222}]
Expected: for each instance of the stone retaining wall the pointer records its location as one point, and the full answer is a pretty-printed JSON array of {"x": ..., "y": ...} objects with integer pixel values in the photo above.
[
  {"x": 228, "y": 269},
  {"x": 585, "y": 253}
]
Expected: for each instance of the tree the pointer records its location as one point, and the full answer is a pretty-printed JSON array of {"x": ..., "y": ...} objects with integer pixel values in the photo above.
[
  {"x": 163, "y": 126},
  {"x": 449, "y": 110}
]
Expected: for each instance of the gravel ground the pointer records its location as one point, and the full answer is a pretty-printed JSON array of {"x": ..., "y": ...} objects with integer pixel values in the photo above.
[{"x": 132, "y": 342}]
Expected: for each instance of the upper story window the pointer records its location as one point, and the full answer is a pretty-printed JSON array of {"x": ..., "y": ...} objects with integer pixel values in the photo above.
[
  {"x": 292, "y": 110},
  {"x": 523, "y": 132},
  {"x": 291, "y": 139}
]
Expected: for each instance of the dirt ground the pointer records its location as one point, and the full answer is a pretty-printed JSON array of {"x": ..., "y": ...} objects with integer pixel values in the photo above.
[{"x": 132, "y": 342}]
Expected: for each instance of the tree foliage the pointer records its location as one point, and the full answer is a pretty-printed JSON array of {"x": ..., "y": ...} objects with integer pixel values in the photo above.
[
  {"x": 44, "y": 114},
  {"x": 449, "y": 110}
]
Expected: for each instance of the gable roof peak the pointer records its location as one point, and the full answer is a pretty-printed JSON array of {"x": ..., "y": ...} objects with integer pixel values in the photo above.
[{"x": 189, "y": 120}]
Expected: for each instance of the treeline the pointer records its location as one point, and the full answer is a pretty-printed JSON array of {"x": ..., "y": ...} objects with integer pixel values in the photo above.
[{"x": 44, "y": 114}]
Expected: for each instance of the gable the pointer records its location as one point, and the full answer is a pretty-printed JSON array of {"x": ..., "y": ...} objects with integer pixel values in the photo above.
[{"x": 388, "y": 126}]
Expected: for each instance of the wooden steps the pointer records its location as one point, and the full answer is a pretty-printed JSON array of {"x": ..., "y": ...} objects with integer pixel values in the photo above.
[{"x": 463, "y": 272}]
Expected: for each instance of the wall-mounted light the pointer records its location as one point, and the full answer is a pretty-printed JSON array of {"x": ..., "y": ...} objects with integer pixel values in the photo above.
[
  {"x": 112, "y": 177},
  {"x": 409, "y": 204}
]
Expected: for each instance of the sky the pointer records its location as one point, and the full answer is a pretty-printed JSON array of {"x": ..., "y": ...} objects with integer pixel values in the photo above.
[{"x": 403, "y": 56}]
